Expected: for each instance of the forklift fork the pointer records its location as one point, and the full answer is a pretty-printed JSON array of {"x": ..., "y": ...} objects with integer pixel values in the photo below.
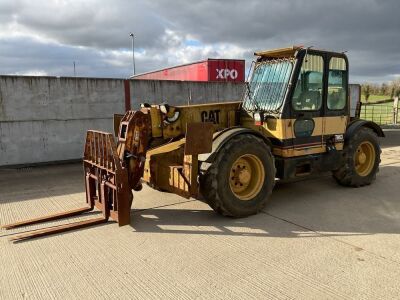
[{"x": 107, "y": 189}]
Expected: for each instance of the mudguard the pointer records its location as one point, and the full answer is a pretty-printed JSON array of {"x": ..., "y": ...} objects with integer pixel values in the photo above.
[
  {"x": 222, "y": 137},
  {"x": 357, "y": 124}
]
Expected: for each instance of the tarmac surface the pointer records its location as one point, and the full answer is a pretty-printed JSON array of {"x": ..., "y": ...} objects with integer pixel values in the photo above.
[{"x": 315, "y": 240}]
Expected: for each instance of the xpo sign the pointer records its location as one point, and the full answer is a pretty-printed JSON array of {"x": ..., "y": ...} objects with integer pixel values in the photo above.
[
  {"x": 226, "y": 74},
  {"x": 226, "y": 70}
]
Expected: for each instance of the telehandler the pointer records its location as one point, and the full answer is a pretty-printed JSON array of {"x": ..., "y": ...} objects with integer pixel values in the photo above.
[{"x": 294, "y": 121}]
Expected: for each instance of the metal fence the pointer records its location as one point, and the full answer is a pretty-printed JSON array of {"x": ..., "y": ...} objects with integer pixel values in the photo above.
[{"x": 382, "y": 113}]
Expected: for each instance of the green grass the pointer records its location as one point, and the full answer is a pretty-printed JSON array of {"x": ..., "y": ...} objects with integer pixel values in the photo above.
[
  {"x": 374, "y": 98},
  {"x": 381, "y": 113}
]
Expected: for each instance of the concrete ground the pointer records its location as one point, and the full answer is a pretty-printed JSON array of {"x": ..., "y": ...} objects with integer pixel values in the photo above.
[{"x": 315, "y": 240}]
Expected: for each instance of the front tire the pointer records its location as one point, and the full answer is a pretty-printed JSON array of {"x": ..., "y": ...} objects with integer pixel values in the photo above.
[
  {"x": 362, "y": 157},
  {"x": 240, "y": 180}
]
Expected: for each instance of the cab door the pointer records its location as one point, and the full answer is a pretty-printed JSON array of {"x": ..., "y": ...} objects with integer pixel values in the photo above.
[
  {"x": 307, "y": 106},
  {"x": 336, "y": 114}
]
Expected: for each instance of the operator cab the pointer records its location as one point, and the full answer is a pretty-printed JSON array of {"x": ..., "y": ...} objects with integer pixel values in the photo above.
[
  {"x": 297, "y": 97},
  {"x": 291, "y": 81}
]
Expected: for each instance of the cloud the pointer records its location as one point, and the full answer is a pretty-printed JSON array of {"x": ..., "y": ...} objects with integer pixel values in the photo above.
[
  {"x": 96, "y": 33},
  {"x": 31, "y": 73},
  {"x": 24, "y": 55},
  {"x": 89, "y": 23}
]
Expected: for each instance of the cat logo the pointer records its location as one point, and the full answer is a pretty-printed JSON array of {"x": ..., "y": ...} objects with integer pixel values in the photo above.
[{"x": 210, "y": 116}]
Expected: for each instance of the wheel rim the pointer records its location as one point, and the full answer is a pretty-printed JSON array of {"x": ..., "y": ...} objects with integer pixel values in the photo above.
[
  {"x": 364, "y": 158},
  {"x": 246, "y": 177}
]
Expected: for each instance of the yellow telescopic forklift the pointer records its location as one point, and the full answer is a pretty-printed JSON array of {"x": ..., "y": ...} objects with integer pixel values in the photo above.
[{"x": 294, "y": 121}]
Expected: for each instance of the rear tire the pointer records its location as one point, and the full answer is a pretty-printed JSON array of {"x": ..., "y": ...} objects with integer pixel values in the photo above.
[
  {"x": 240, "y": 180},
  {"x": 362, "y": 157}
]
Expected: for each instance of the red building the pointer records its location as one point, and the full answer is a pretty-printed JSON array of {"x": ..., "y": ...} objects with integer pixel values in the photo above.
[{"x": 206, "y": 70}]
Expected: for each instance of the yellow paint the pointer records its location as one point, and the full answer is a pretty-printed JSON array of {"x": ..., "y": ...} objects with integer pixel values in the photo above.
[
  {"x": 364, "y": 158},
  {"x": 193, "y": 114},
  {"x": 246, "y": 177},
  {"x": 300, "y": 151},
  {"x": 279, "y": 52},
  {"x": 160, "y": 159},
  {"x": 335, "y": 125},
  {"x": 156, "y": 122},
  {"x": 283, "y": 128}
]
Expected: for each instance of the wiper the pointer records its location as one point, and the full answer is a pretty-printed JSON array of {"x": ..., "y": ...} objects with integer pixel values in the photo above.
[{"x": 249, "y": 96}]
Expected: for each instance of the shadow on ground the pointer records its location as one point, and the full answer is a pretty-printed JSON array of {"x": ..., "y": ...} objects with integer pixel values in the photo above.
[
  {"x": 391, "y": 139},
  {"x": 317, "y": 207}
]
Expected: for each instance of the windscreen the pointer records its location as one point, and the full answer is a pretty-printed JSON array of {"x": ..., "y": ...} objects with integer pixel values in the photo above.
[{"x": 267, "y": 88}]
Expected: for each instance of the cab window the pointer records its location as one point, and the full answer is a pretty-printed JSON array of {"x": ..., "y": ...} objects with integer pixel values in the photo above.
[
  {"x": 337, "y": 85},
  {"x": 308, "y": 92}
]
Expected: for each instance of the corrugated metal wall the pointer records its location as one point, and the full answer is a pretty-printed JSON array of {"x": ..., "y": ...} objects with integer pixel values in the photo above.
[{"x": 208, "y": 70}]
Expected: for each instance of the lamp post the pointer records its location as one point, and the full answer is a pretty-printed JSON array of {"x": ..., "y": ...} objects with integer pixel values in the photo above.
[{"x": 133, "y": 51}]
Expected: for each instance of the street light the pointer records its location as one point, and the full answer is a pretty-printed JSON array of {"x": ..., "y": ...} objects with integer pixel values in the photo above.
[{"x": 133, "y": 51}]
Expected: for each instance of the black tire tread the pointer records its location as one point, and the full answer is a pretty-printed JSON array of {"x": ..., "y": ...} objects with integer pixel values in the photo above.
[
  {"x": 209, "y": 182},
  {"x": 347, "y": 175}
]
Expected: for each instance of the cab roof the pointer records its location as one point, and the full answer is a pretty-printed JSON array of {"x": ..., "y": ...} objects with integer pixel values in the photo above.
[
  {"x": 288, "y": 52},
  {"x": 279, "y": 52}
]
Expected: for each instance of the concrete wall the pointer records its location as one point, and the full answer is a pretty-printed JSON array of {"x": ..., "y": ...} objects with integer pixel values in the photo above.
[{"x": 44, "y": 119}]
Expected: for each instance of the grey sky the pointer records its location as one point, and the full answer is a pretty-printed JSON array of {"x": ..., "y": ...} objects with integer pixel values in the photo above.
[{"x": 45, "y": 37}]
